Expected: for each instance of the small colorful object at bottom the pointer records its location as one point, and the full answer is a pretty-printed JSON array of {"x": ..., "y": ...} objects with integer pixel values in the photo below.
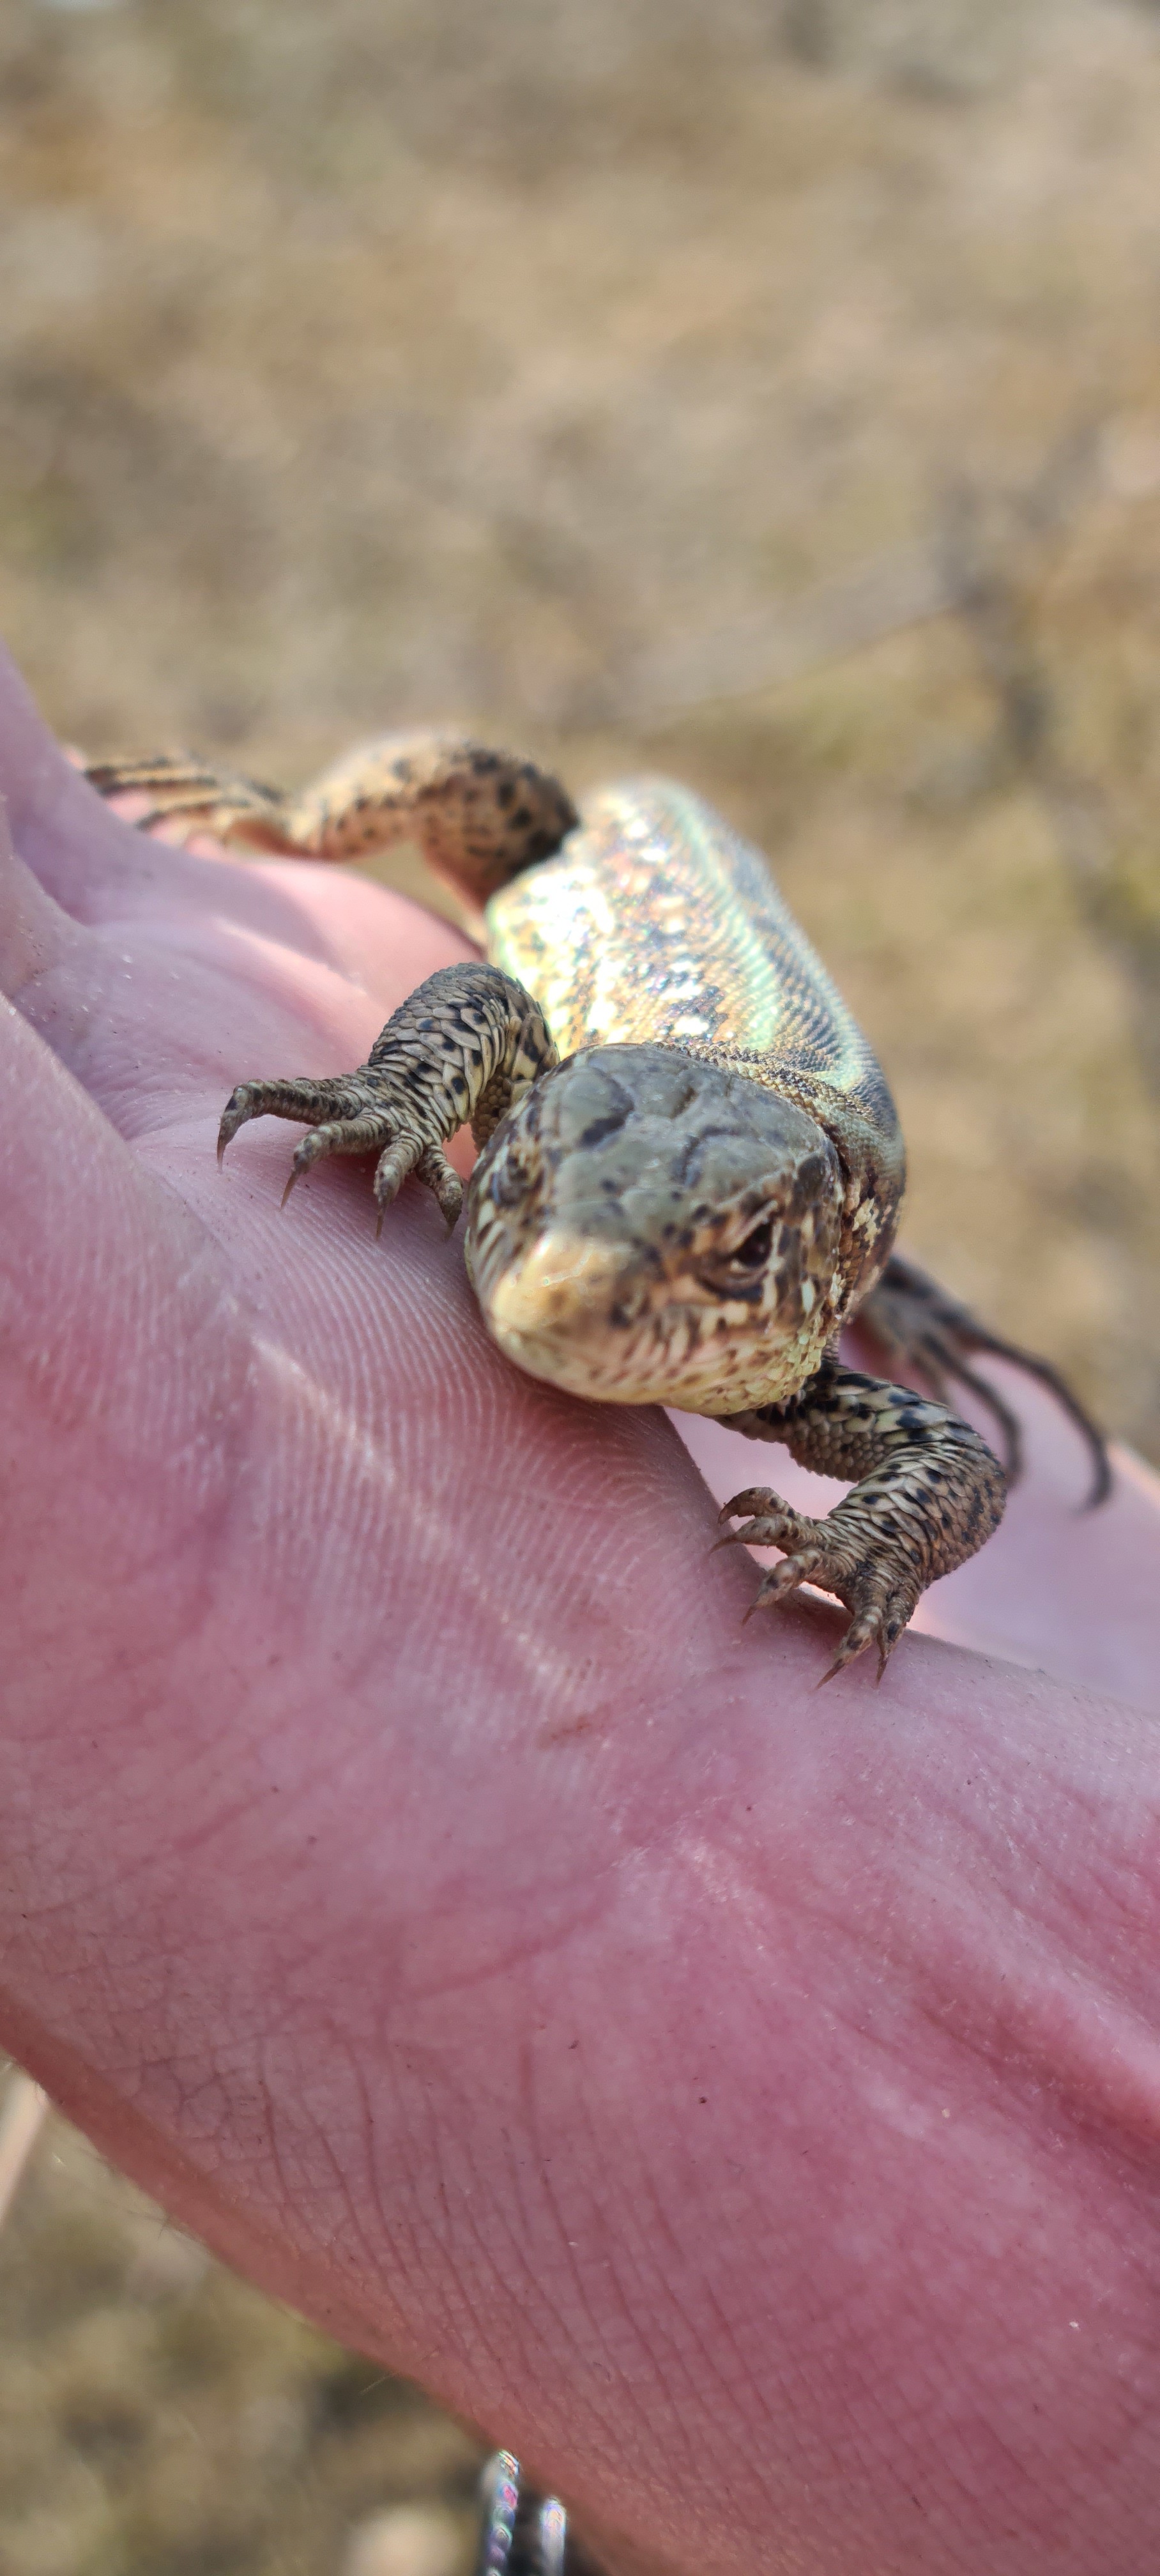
[{"x": 523, "y": 2534}]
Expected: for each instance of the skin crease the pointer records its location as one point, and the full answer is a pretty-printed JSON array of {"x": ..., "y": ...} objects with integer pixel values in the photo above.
[{"x": 743, "y": 2101}]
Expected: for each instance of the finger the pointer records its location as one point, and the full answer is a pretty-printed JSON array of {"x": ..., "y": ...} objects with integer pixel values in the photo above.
[
  {"x": 161, "y": 1012},
  {"x": 36, "y": 936},
  {"x": 82, "y": 854}
]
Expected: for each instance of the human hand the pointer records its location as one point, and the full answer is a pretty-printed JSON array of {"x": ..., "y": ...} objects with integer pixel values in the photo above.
[{"x": 741, "y": 2100}]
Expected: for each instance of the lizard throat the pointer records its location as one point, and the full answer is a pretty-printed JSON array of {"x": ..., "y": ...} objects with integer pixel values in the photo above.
[{"x": 575, "y": 1311}]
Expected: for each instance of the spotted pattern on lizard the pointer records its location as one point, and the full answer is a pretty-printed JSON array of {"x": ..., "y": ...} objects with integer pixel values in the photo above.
[{"x": 691, "y": 1165}]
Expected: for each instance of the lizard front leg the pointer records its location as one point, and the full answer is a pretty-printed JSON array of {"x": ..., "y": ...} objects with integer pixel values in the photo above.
[
  {"x": 460, "y": 1050},
  {"x": 927, "y": 1492}
]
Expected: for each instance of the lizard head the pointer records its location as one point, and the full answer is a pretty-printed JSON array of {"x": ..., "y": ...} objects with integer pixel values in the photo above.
[{"x": 647, "y": 1229}]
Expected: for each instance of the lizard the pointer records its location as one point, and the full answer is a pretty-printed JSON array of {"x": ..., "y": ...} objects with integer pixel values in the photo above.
[{"x": 690, "y": 1164}]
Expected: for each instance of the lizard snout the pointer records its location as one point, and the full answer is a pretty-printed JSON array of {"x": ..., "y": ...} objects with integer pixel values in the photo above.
[{"x": 558, "y": 1285}]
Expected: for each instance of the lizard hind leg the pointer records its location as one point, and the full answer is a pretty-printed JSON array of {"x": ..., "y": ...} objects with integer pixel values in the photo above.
[
  {"x": 185, "y": 790},
  {"x": 918, "y": 1325},
  {"x": 478, "y": 815}
]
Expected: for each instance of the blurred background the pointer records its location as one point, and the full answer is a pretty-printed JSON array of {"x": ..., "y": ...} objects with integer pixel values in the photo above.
[{"x": 768, "y": 390}]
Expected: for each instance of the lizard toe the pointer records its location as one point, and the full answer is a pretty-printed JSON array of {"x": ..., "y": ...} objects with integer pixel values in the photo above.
[
  {"x": 756, "y": 1498},
  {"x": 882, "y": 1604},
  {"x": 773, "y": 1522},
  {"x": 782, "y": 1581},
  {"x": 293, "y": 1097}
]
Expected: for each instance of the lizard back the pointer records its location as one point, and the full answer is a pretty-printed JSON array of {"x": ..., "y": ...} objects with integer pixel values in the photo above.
[{"x": 657, "y": 922}]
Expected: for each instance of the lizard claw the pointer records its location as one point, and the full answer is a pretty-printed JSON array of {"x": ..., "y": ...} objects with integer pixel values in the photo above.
[{"x": 877, "y": 1582}]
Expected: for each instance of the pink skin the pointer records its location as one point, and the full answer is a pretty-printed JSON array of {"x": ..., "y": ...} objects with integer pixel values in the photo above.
[{"x": 745, "y": 2101}]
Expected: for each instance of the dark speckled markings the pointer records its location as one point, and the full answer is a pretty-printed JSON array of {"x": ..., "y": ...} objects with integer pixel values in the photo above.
[{"x": 690, "y": 1206}]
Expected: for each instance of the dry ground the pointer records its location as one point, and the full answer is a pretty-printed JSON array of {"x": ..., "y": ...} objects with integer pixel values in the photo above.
[{"x": 771, "y": 390}]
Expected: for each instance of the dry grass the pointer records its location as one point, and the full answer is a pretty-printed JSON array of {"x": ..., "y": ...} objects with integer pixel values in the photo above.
[{"x": 612, "y": 377}]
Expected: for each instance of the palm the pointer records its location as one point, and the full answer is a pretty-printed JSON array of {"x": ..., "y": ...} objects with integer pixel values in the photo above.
[{"x": 420, "y": 1881}]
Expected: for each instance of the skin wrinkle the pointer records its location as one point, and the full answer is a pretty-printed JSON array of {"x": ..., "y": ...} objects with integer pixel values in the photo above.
[
  {"x": 588, "y": 2336},
  {"x": 369, "y": 2171},
  {"x": 421, "y": 2162},
  {"x": 563, "y": 2229},
  {"x": 461, "y": 2213},
  {"x": 429, "y": 2154},
  {"x": 581, "y": 1903},
  {"x": 1122, "y": 2068},
  {"x": 980, "y": 2456},
  {"x": 87, "y": 1389},
  {"x": 468, "y": 2318},
  {"x": 75, "y": 1819},
  {"x": 1028, "y": 2028},
  {"x": 329, "y": 1499},
  {"x": 621, "y": 2261},
  {"x": 285, "y": 2191},
  {"x": 1023, "y": 2038},
  {"x": 427, "y": 1538},
  {"x": 532, "y": 2191},
  {"x": 1002, "y": 1867},
  {"x": 702, "y": 2361},
  {"x": 70, "y": 2075},
  {"x": 699, "y": 2362},
  {"x": 134, "y": 1889}
]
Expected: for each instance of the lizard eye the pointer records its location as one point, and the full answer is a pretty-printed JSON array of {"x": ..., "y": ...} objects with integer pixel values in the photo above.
[
  {"x": 510, "y": 1172},
  {"x": 744, "y": 1267},
  {"x": 751, "y": 1254}
]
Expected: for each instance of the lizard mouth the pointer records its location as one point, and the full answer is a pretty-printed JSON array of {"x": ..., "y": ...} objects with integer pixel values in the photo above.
[{"x": 580, "y": 1314}]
